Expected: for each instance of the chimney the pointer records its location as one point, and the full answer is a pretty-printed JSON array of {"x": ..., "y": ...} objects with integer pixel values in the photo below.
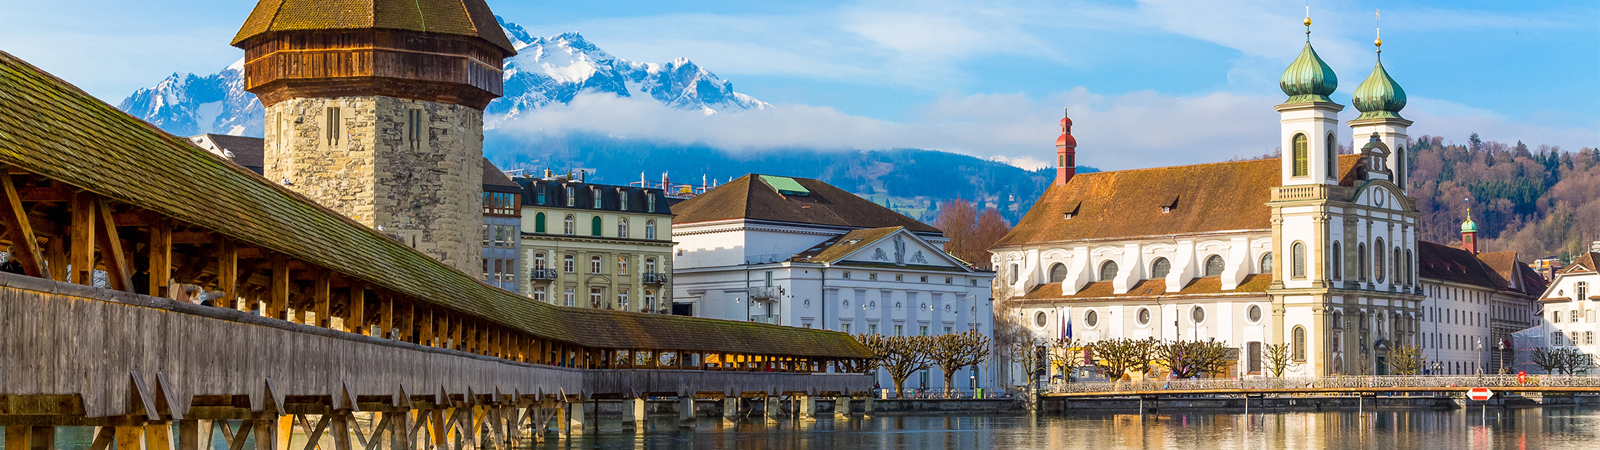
[
  {"x": 583, "y": 176},
  {"x": 1066, "y": 152}
]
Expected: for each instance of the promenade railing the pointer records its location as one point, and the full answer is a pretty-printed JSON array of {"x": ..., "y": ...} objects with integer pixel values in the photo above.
[{"x": 1381, "y": 382}]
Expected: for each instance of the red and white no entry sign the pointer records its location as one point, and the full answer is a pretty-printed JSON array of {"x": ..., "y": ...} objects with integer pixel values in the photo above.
[{"x": 1480, "y": 394}]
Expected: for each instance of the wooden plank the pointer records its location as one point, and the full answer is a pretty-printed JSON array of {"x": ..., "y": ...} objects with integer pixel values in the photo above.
[
  {"x": 55, "y": 257},
  {"x": 130, "y": 438},
  {"x": 278, "y": 292},
  {"x": 386, "y": 316},
  {"x": 83, "y": 224},
  {"x": 192, "y": 237},
  {"x": 118, "y": 271},
  {"x": 227, "y": 272},
  {"x": 20, "y": 229},
  {"x": 158, "y": 436},
  {"x": 103, "y": 438},
  {"x": 160, "y": 257},
  {"x": 320, "y": 297},
  {"x": 355, "y": 313}
]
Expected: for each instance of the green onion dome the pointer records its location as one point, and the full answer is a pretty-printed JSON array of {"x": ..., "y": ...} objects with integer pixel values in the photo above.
[
  {"x": 1379, "y": 97},
  {"x": 1308, "y": 79},
  {"x": 1469, "y": 226}
]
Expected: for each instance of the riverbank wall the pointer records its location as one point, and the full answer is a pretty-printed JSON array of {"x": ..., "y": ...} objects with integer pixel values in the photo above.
[{"x": 1306, "y": 403}]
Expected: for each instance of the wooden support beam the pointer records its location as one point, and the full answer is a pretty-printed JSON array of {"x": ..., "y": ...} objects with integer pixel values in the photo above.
[
  {"x": 321, "y": 297},
  {"x": 160, "y": 257},
  {"x": 227, "y": 272},
  {"x": 192, "y": 237},
  {"x": 355, "y": 320},
  {"x": 278, "y": 292},
  {"x": 386, "y": 316},
  {"x": 25, "y": 246},
  {"x": 118, "y": 271},
  {"x": 426, "y": 316},
  {"x": 83, "y": 224},
  {"x": 129, "y": 438},
  {"x": 55, "y": 257}
]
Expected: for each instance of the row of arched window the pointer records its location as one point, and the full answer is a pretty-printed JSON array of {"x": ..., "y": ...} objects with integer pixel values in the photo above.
[
  {"x": 1301, "y": 156},
  {"x": 1396, "y": 266},
  {"x": 569, "y": 226}
]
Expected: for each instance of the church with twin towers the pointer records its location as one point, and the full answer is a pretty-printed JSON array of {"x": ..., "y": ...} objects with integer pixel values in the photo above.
[{"x": 1316, "y": 250}]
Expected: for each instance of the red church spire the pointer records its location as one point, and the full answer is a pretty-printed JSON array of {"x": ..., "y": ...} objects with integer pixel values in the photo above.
[{"x": 1066, "y": 152}]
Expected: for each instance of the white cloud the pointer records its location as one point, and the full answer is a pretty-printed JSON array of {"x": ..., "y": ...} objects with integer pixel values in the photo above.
[{"x": 1134, "y": 130}]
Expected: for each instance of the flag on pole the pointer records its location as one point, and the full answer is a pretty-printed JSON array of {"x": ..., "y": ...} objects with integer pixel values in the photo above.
[{"x": 1066, "y": 323}]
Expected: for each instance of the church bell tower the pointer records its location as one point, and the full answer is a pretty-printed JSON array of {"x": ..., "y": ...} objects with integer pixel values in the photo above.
[{"x": 376, "y": 111}]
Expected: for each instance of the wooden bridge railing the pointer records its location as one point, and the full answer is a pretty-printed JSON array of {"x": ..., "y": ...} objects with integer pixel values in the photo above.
[{"x": 1392, "y": 382}]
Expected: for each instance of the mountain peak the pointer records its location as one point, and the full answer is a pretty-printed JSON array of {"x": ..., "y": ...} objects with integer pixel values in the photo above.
[{"x": 546, "y": 71}]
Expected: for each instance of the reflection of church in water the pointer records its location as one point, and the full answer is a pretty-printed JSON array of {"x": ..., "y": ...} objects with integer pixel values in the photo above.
[{"x": 1315, "y": 249}]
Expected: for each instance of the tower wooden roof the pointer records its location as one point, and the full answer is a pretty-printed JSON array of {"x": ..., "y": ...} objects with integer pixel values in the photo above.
[{"x": 459, "y": 17}]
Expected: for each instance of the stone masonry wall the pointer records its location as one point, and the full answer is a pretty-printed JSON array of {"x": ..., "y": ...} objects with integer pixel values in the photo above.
[{"x": 426, "y": 193}]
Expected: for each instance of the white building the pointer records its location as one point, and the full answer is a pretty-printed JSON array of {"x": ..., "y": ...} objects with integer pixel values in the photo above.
[
  {"x": 1315, "y": 250},
  {"x": 800, "y": 252},
  {"x": 1569, "y": 306}
]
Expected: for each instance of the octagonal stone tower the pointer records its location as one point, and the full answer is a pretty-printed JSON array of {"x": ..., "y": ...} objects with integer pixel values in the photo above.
[{"x": 375, "y": 110}]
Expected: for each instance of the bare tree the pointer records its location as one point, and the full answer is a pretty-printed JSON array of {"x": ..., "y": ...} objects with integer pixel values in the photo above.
[
  {"x": 1560, "y": 360},
  {"x": 1406, "y": 359},
  {"x": 899, "y": 355},
  {"x": 1115, "y": 357},
  {"x": 1278, "y": 359},
  {"x": 1187, "y": 359},
  {"x": 971, "y": 232},
  {"x": 951, "y": 352},
  {"x": 1067, "y": 357}
]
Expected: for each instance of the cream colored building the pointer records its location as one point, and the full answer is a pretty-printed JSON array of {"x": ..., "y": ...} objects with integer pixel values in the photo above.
[
  {"x": 595, "y": 245},
  {"x": 1315, "y": 250}
]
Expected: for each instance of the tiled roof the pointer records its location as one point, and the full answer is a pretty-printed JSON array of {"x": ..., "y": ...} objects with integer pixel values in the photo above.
[
  {"x": 555, "y": 196},
  {"x": 836, "y": 248},
  {"x": 460, "y": 17},
  {"x": 50, "y": 128},
  {"x": 1508, "y": 266},
  {"x": 247, "y": 151},
  {"x": 1127, "y": 203},
  {"x": 1253, "y": 285},
  {"x": 1446, "y": 263},
  {"x": 496, "y": 180},
  {"x": 1587, "y": 262},
  {"x": 824, "y": 205}
]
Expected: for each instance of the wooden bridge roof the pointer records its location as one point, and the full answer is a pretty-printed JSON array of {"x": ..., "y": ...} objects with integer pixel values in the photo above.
[{"x": 55, "y": 130}]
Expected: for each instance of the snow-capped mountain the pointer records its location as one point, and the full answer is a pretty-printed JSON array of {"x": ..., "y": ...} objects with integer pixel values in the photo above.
[
  {"x": 546, "y": 71},
  {"x": 558, "y": 68},
  {"x": 189, "y": 105}
]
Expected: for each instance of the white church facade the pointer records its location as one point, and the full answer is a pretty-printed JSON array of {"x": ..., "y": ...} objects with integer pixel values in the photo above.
[{"x": 1316, "y": 250}]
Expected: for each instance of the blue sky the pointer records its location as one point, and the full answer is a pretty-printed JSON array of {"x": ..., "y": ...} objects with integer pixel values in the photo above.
[{"x": 1149, "y": 82}]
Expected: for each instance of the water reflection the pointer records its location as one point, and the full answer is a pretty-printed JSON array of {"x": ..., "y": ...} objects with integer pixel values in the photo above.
[{"x": 1548, "y": 428}]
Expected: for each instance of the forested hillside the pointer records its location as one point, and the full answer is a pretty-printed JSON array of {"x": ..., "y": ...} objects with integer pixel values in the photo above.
[{"x": 1542, "y": 201}]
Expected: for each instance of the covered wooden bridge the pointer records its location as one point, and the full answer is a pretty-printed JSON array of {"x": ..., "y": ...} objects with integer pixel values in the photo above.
[{"x": 316, "y": 320}]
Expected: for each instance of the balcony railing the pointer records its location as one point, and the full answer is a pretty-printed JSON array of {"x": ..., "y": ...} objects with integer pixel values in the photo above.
[
  {"x": 654, "y": 278},
  {"x": 767, "y": 319},
  {"x": 766, "y": 293},
  {"x": 543, "y": 274},
  {"x": 1447, "y": 382}
]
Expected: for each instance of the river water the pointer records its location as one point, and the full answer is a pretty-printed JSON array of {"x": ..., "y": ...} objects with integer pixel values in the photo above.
[
  {"x": 1535, "y": 428},
  {"x": 1555, "y": 428}
]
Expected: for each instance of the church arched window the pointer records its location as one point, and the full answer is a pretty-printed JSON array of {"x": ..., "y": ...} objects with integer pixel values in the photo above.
[
  {"x": 1377, "y": 261},
  {"x": 1108, "y": 270},
  {"x": 1214, "y": 266},
  {"x": 1409, "y": 272},
  {"x": 1361, "y": 261},
  {"x": 1333, "y": 156},
  {"x": 1299, "y": 343},
  {"x": 1160, "y": 268},
  {"x": 1298, "y": 259},
  {"x": 1394, "y": 264},
  {"x": 1266, "y": 263},
  {"x": 1400, "y": 166},
  {"x": 1300, "y": 164},
  {"x": 1058, "y": 273}
]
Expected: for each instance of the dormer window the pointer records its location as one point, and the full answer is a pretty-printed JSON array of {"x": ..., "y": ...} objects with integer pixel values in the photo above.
[
  {"x": 1071, "y": 210},
  {"x": 572, "y": 196},
  {"x": 1067, "y": 216},
  {"x": 650, "y": 202},
  {"x": 622, "y": 200},
  {"x": 597, "y": 197},
  {"x": 1166, "y": 209}
]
